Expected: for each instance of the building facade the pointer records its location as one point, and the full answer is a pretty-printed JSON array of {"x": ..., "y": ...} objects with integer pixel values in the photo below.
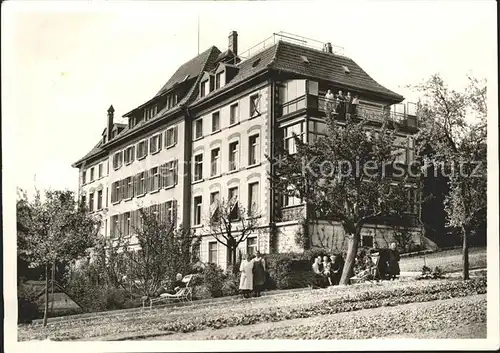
[{"x": 205, "y": 135}]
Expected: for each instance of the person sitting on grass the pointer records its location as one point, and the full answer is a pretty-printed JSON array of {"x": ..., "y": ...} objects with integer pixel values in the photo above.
[
  {"x": 319, "y": 279},
  {"x": 327, "y": 265}
]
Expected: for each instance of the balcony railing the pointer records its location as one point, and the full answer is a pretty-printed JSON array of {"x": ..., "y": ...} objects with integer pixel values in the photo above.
[{"x": 367, "y": 112}]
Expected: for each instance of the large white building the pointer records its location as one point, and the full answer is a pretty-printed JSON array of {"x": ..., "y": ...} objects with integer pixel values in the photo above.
[{"x": 205, "y": 134}]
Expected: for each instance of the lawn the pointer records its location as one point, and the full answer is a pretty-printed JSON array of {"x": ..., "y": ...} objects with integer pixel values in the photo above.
[
  {"x": 277, "y": 308},
  {"x": 449, "y": 318},
  {"x": 448, "y": 261}
]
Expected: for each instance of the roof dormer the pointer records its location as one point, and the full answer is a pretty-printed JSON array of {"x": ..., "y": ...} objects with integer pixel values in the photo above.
[{"x": 207, "y": 83}]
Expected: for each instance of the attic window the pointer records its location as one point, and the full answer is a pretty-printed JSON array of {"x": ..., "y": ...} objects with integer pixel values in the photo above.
[
  {"x": 305, "y": 60},
  {"x": 185, "y": 78},
  {"x": 256, "y": 62},
  {"x": 346, "y": 70}
]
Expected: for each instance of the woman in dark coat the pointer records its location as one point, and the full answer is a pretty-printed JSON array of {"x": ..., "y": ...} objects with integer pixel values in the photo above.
[
  {"x": 259, "y": 273},
  {"x": 393, "y": 261}
]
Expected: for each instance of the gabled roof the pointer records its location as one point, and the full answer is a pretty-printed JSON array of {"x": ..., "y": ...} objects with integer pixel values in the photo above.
[
  {"x": 287, "y": 57},
  {"x": 191, "y": 68},
  {"x": 328, "y": 67},
  {"x": 98, "y": 147}
]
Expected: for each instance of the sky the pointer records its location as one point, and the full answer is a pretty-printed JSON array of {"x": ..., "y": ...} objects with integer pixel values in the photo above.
[{"x": 65, "y": 63}]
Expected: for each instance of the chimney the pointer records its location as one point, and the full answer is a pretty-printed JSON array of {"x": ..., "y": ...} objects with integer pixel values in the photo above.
[
  {"x": 233, "y": 42},
  {"x": 111, "y": 110},
  {"x": 328, "y": 48}
]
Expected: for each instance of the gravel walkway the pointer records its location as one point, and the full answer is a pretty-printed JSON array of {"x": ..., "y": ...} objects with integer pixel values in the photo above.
[{"x": 451, "y": 318}]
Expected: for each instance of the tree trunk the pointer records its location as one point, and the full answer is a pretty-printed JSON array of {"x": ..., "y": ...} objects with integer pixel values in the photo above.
[
  {"x": 465, "y": 253},
  {"x": 352, "y": 250},
  {"x": 52, "y": 289},
  {"x": 46, "y": 309}
]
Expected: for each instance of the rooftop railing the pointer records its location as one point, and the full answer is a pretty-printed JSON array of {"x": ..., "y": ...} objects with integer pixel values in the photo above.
[{"x": 287, "y": 37}]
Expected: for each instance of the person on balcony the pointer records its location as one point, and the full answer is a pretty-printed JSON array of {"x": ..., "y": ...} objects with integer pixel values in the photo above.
[
  {"x": 348, "y": 99},
  {"x": 354, "y": 105},
  {"x": 340, "y": 103},
  {"x": 329, "y": 102}
]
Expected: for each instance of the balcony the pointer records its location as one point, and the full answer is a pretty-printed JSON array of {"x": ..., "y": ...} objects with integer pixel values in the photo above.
[{"x": 404, "y": 115}]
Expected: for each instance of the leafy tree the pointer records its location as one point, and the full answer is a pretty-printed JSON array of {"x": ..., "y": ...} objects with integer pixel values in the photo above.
[
  {"x": 55, "y": 229},
  {"x": 158, "y": 251},
  {"x": 346, "y": 176},
  {"x": 454, "y": 125},
  {"x": 231, "y": 224}
]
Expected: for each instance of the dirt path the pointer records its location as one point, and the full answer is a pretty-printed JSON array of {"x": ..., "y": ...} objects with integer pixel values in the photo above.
[{"x": 451, "y": 318}]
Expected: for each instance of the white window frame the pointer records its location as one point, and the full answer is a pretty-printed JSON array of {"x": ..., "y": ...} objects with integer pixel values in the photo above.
[
  {"x": 197, "y": 210},
  {"x": 144, "y": 144},
  {"x": 255, "y": 109},
  {"x": 198, "y": 132},
  {"x": 173, "y": 131},
  {"x": 233, "y": 120},
  {"x": 158, "y": 143},
  {"x": 234, "y": 160},
  {"x": 218, "y": 127},
  {"x": 118, "y": 158},
  {"x": 210, "y": 252},
  {"x": 215, "y": 162},
  {"x": 198, "y": 164},
  {"x": 254, "y": 149}
]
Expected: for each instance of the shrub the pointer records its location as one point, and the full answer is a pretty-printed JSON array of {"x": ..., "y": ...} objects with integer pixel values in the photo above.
[
  {"x": 231, "y": 284},
  {"x": 289, "y": 270},
  {"x": 213, "y": 279},
  {"x": 27, "y": 307},
  {"x": 201, "y": 292}
]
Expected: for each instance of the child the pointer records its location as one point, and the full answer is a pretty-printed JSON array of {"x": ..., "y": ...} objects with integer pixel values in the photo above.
[{"x": 327, "y": 265}]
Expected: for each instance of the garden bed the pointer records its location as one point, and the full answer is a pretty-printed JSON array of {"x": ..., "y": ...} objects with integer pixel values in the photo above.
[{"x": 266, "y": 309}]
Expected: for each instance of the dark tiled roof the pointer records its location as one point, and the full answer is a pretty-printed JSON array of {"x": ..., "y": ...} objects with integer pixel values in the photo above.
[
  {"x": 191, "y": 68},
  {"x": 98, "y": 147},
  {"x": 247, "y": 68},
  {"x": 328, "y": 67}
]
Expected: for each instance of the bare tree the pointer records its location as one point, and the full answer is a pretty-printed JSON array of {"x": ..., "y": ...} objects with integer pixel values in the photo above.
[{"x": 231, "y": 224}]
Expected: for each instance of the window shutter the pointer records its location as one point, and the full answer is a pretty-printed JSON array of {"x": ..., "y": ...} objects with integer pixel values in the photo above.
[
  {"x": 146, "y": 147},
  {"x": 175, "y": 171},
  {"x": 163, "y": 172},
  {"x": 162, "y": 212},
  {"x": 175, "y": 134},
  {"x": 174, "y": 212},
  {"x": 113, "y": 192},
  {"x": 160, "y": 141},
  {"x": 146, "y": 181}
]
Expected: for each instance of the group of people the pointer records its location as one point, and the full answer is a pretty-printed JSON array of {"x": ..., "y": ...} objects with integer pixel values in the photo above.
[
  {"x": 341, "y": 104},
  {"x": 327, "y": 270},
  {"x": 253, "y": 275},
  {"x": 378, "y": 265}
]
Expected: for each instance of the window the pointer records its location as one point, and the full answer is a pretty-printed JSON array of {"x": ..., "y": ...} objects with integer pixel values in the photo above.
[
  {"x": 150, "y": 112},
  {"x": 204, "y": 89},
  {"x": 115, "y": 192},
  {"x": 155, "y": 144},
  {"x": 197, "y": 210},
  {"x": 251, "y": 245},
  {"x": 215, "y": 121},
  {"x": 253, "y": 198},
  {"x": 198, "y": 167},
  {"x": 84, "y": 177},
  {"x": 291, "y": 201},
  {"x": 129, "y": 155},
  {"x": 254, "y": 105},
  {"x": 304, "y": 59},
  {"x": 129, "y": 187},
  {"x": 170, "y": 176},
  {"x": 92, "y": 174},
  {"x": 233, "y": 156},
  {"x": 84, "y": 200},
  {"x": 140, "y": 183},
  {"x": 117, "y": 160},
  {"x": 233, "y": 200},
  {"x": 253, "y": 146},
  {"x": 131, "y": 122},
  {"x": 171, "y": 209},
  {"x": 219, "y": 80},
  {"x": 215, "y": 162},
  {"x": 99, "y": 171},
  {"x": 142, "y": 149},
  {"x": 234, "y": 113},
  {"x": 400, "y": 150},
  {"x": 114, "y": 227},
  {"x": 316, "y": 130},
  {"x": 256, "y": 62},
  {"x": 212, "y": 252},
  {"x": 214, "y": 205},
  {"x": 198, "y": 128},
  {"x": 346, "y": 69},
  {"x": 99, "y": 200},
  {"x": 171, "y": 137},
  {"x": 127, "y": 227},
  {"x": 367, "y": 240},
  {"x": 288, "y": 136},
  {"x": 154, "y": 179},
  {"x": 91, "y": 202}
]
